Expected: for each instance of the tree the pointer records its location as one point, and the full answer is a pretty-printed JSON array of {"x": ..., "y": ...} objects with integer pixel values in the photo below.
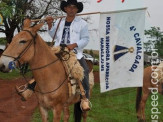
[
  {"x": 154, "y": 32},
  {"x": 91, "y": 53},
  {"x": 14, "y": 12},
  {"x": 159, "y": 46},
  {"x": 155, "y": 40}
]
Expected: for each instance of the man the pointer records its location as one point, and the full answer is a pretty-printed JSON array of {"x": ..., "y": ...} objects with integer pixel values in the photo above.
[{"x": 72, "y": 31}]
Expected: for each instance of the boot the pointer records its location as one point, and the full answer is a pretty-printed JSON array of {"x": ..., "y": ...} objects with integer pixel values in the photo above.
[
  {"x": 85, "y": 104},
  {"x": 26, "y": 90}
]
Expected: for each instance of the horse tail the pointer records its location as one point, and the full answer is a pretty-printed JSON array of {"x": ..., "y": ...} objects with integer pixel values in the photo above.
[
  {"x": 138, "y": 98},
  {"x": 77, "y": 112}
]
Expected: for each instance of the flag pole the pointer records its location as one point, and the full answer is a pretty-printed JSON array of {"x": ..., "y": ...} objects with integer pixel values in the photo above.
[{"x": 35, "y": 20}]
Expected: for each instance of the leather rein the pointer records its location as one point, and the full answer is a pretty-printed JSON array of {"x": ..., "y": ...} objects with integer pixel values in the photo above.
[{"x": 24, "y": 51}]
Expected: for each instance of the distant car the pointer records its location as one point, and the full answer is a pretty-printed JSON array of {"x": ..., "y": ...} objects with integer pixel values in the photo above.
[{"x": 90, "y": 58}]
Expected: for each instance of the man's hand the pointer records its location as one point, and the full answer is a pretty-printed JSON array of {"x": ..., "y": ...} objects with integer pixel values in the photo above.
[
  {"x": 72, "y": 46},
  {"x": 49, "y": 21}
]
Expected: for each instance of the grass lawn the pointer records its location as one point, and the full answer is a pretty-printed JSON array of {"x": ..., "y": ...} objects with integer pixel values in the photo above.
[
  {"x": 113, "y": 106},
  {"x": 95, "y": 68},
  {"x": 13, "y": 74}
]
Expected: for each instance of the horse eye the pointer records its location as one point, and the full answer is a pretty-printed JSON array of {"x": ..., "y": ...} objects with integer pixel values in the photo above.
[{"x": 22, "y": 42}]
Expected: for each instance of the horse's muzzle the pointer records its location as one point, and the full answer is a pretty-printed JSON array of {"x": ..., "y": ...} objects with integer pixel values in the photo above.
[{"x": 3, "y": 67}]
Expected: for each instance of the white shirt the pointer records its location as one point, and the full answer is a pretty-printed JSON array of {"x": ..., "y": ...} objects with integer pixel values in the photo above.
[{"x": 78, "y": 34}]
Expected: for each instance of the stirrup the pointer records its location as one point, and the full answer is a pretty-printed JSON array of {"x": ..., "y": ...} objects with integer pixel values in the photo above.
[
  {"x": 24, "y": 92},
  {"x": 85, "y": 105},
  {"x": 21, "y": 88}
]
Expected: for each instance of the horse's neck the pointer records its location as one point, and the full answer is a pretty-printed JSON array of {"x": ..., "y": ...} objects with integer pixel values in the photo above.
[
  {"x": 42, "y": 54},
  {"x": 46, "y": 76}
]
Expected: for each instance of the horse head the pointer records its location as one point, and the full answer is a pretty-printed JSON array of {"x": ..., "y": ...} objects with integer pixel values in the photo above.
[{"x": 21, "y": 48}]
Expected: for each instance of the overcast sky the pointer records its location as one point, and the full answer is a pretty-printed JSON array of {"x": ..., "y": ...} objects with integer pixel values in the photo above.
[
  {"x": 155, "y": 8},
  {"x": 154, "y": 13}
]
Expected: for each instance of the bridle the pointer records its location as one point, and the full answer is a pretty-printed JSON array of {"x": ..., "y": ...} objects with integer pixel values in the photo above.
[
  {"x": 25, "y": 49},
  {"x": 28, "y": 46}
]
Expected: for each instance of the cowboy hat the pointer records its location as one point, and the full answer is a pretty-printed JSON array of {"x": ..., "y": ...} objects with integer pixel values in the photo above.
[{"x": 79, "y": 5}]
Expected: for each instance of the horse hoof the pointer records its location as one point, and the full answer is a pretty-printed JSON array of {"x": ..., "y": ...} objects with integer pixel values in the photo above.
[{"x": 141, "y": 120}]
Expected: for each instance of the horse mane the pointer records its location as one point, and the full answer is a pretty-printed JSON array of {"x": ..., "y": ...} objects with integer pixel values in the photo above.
[
  {"x": 43, "y": 42},
  {"x": 44, "y": 46},
  {"x": 1, "y": 51}
]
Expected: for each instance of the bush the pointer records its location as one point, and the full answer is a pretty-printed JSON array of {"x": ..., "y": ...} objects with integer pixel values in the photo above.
[
  {"x": 3, "y": 40},
  {"x": 91, "y": 53}
]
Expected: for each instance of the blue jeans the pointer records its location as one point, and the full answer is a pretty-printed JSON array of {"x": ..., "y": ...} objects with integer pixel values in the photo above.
[{"x": 85, "y": 81}]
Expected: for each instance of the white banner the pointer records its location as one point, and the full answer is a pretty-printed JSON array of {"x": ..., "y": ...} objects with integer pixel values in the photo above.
[{"x": 121, "y": 49}]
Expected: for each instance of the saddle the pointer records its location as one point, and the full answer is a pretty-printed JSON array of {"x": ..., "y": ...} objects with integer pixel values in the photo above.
[{"x": 72, "y": 67}]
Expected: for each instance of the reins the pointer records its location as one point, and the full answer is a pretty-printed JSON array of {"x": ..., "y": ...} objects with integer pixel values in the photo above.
[
  {"x": 54, "y": 89},
  {"x": 26, "y": 49},
  {"x": 41, "y": 67},
  {"x": 67, "y": 76}
]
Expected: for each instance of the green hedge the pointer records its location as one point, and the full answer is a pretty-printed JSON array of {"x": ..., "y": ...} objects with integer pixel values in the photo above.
[{"x": 3, "y": 40}]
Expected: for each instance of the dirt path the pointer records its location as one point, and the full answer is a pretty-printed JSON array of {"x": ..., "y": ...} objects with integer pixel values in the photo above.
[{"x": 12, "y": 109}]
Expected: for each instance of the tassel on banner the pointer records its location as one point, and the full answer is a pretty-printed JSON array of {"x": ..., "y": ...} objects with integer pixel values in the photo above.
[{"x": 148, "y": 14}]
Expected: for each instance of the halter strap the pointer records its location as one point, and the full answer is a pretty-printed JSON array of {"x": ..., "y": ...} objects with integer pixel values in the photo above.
[
  {"x": 26, "y": 48},
  {"x": 33, "y": 36}
]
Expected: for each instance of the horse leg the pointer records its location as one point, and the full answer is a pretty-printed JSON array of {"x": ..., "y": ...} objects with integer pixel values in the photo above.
[
  {"x": 57, "y": 113},
  {"x": 139, "y": 113},
  {"x": 143, "y": 103},
  {"x": 138, "y": 102},
  {"x": 44, "y": 114},
  {"x": 160, "y": 88},
  {"x": 66, "y": 113},
  {"x": 84, "y": 115},
  {"x": 71, "y": 100}
]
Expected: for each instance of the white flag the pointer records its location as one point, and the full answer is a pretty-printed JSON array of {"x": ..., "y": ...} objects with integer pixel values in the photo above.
[{"x": 121, "y": 49}]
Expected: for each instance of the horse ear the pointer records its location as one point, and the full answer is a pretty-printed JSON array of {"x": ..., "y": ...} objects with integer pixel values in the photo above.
[
  {"x": 37, "y": 27},
  {"x": 26, "y": 23}
]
